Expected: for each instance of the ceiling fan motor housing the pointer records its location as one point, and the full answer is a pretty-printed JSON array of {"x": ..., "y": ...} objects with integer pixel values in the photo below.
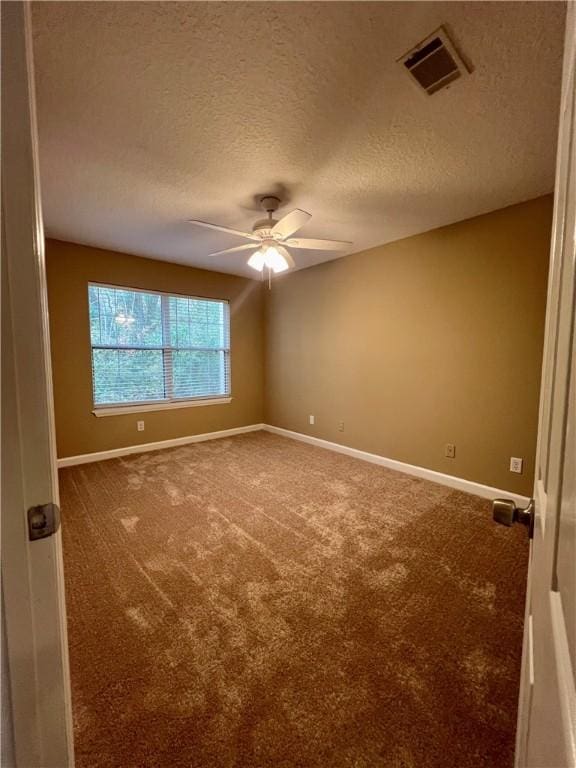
[{"x": 263, "y": 228}]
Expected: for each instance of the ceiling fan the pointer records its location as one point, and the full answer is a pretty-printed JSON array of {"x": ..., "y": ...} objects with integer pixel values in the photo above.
[{"x": 272, "y": 239}]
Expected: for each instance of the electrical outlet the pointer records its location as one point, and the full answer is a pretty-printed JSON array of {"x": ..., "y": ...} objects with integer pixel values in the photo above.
[
  {"x": 516, "y": 465},
  {"x": 311, "y": 419},
  {"x": 140, "y": 426},
  {"x": 450, "y": 450},
  {"x": 340, "y": 426}
]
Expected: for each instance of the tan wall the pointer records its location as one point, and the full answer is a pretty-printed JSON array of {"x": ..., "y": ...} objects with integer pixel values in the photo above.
[
  {"x": 430, "y": 340},
  {"x": 70, "y": 268}
]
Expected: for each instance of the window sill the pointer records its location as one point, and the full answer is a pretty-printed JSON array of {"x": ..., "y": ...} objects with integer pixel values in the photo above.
[{"x": 118, "y": 410}]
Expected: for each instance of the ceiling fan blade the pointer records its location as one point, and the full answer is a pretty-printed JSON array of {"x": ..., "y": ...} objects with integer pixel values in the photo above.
[
  {"x": 249, "y": 235},
  {"x": 237, "y": 248},
  {"x": 291, "y": 223},
  {"x": 316, "y": 245}
]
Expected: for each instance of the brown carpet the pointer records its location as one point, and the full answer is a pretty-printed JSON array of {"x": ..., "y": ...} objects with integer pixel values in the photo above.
[{"x": 255, "y": 601}]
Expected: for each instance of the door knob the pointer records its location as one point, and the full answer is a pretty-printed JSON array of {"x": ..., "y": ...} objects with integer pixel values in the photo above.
[
  {"x": 505, "y": 512},
  {"x": 43, "y": 521}
]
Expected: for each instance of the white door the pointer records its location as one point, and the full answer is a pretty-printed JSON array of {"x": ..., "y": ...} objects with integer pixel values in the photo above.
[
  {"x": 38, "y": 689},
  {"x": 546, "y": 735}
]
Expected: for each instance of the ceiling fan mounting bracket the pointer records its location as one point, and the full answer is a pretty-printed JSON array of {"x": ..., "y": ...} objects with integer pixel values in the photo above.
[{"x": 270, "y": 203}]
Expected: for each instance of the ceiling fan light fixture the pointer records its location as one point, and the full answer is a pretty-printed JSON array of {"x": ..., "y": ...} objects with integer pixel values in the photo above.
[
  {"x": 270, "y": 257},
  {"x": 257, "y": 260},
  {"x": 275, "y": 261}
]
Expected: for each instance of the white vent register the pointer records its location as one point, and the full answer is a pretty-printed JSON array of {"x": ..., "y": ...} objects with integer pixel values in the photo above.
[{"x": 434, "y": 63}]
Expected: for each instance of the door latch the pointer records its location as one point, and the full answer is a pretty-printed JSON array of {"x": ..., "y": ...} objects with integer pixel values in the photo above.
[
  {"x": 505, "y": 512},
  {"x": 43, "y": 521}
]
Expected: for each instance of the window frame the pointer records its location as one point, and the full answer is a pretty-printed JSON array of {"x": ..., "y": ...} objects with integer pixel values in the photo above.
[{"x": 169, "y": 402}]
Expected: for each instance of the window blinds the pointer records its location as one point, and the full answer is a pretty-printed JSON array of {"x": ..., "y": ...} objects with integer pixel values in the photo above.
[{"x": 157, "y": 347}]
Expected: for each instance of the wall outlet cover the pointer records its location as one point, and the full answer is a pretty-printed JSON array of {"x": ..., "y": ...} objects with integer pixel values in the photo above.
[
  {"x": 516, "y": 464},
  {"x": 311, "y": 419},
  {"x": 450, "y": 450},
  {"x": 140, "y": 426},
  {"x": 340, "y": 426}
]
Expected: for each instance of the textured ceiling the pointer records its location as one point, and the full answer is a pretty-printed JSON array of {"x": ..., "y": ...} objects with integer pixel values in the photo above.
[{"x": 153, "y": 113}]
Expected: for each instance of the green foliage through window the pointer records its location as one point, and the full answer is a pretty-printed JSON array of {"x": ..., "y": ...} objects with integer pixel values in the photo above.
[{"x": 157, "y": 347}]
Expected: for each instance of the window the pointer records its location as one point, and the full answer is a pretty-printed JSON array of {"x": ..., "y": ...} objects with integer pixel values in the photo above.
[{"x": 157, "y": 348}]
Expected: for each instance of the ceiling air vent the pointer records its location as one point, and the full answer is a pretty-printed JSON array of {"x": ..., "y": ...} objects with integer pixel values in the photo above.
[{"x": 434, "y": 63}]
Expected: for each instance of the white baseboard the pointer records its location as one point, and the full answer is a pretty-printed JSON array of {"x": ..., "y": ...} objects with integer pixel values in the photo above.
[
  {"x": 458, "y": 483},
  {"x": 86, "y": 458}
]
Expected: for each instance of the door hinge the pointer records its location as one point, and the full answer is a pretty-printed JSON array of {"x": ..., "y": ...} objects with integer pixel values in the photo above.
[{"x": 43, "y": 521}]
